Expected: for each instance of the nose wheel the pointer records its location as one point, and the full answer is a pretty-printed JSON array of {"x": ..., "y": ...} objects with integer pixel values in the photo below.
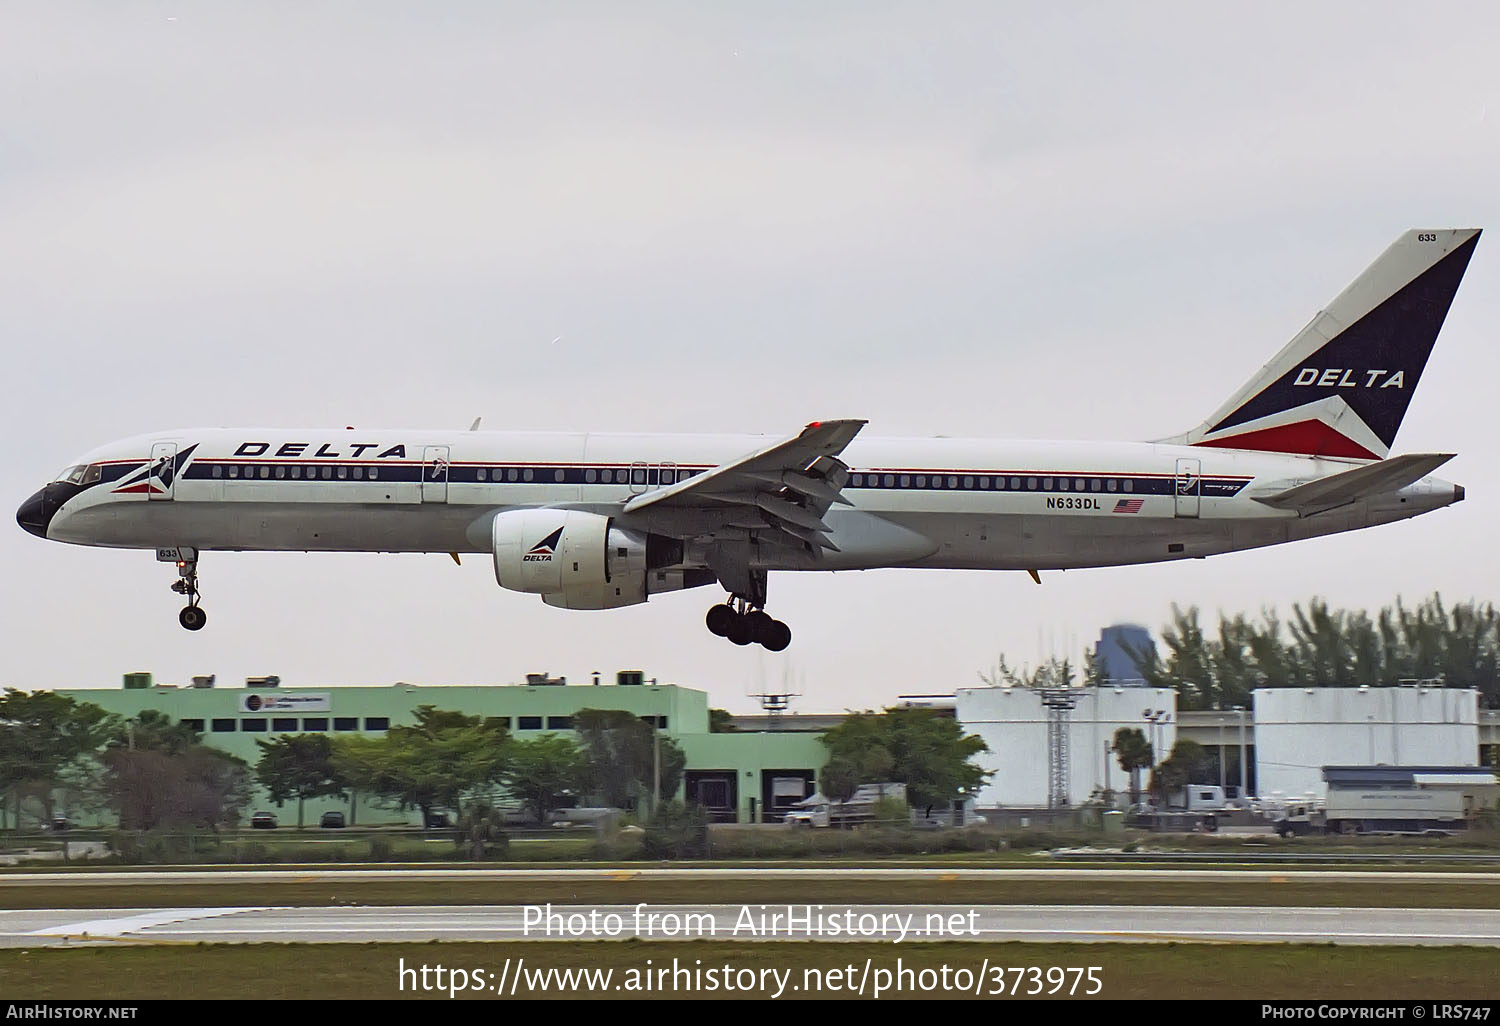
[
  {"x": 743, "y": 625},
  {"x": 192, "y": 616}
]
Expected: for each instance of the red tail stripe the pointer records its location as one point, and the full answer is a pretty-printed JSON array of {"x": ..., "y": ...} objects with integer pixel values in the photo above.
[{"x": 1305, "y": 438}]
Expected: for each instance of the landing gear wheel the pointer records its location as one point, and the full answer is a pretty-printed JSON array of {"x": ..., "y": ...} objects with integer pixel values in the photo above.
[
  {"x": 719, "y": 619},
  {"x": 777, "y": 638},
  {"x": 759, "y": 623},
  {"x": 743, "y": 621},
  {"x": 192, "y": 617},
  {"x": 740, "y": 631}
]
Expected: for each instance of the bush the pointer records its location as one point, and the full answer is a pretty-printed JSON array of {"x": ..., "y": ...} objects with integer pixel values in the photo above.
[
  {"x": 892, "y": 813},
  {"x": 149, "y": 847},
  {"x": 480, "y": 834},
  {"x": 1038, "y": 840},
  {"x": 676, "y": 831},
  {"x": 254, "y": 852}
]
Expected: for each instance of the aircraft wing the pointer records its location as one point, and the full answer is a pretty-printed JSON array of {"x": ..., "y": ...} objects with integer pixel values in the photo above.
[
  {"x": 1386, "y": 476},
  {"x": 784, "y": 488}
]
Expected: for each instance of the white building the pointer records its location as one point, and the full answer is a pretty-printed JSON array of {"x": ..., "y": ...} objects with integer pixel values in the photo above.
[
  {"x": 1298, "y": 731},
  {"x": 1014, "y": 724}
]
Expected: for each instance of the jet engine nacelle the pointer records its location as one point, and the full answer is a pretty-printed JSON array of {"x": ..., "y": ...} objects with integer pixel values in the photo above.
[{"x": 573, "y": 559}]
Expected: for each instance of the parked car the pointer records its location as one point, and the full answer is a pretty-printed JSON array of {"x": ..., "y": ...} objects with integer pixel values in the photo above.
[
  {"x": 60, "y": 823},
  {"x": 437, "y": 821},
  {"x": 332, "y": 821},
  {"x": 262, "y": 821}
]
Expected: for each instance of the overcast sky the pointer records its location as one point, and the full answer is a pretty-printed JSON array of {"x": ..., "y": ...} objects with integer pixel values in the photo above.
[{"x": 1022, "y": 221}]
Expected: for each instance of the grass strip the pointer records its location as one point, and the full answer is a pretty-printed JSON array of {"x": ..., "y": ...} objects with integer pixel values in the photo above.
[
  {"x": 370, "y": 971},
  {"x": 628, "y": 889}
]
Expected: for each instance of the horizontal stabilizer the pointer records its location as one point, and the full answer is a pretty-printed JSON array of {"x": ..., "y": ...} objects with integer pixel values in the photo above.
[{"x": 1381, "y": 478}]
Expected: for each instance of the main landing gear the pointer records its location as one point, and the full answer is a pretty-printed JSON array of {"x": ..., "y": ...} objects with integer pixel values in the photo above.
[
  {"x": 192, "y": 616},
  {"x": 742, "y": 624}
]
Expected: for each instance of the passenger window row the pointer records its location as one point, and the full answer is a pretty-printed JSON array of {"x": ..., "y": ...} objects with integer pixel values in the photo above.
[
  {"x": 995, "y": 482},
  {"x": 294, "y": 472},
  {"x": 482, "y": 475},
  {"x": 588, "y": 475}
]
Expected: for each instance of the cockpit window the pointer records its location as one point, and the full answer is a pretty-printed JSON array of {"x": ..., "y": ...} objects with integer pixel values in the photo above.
[{"x": 81, "y": 474}]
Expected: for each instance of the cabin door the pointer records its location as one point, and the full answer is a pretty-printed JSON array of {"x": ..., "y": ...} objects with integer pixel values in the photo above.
[
  {"x": 161, "y": 479},
  {"x": 1188, "y": 487},
  {"x": 435, "y": 473}
]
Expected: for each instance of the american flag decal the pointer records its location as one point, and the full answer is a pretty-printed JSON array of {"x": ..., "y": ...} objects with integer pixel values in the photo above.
[{"x": 1129, "y": 505}]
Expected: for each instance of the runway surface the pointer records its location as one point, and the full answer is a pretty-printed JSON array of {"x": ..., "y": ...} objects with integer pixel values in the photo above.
[{"x": 909, "y": 923}]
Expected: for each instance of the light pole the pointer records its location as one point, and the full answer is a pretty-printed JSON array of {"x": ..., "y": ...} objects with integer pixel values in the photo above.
[
  {"x": 1244, "y": 755},
  {"x": 1156, "y": 718},
  {"x": 1221, "y": 753}
]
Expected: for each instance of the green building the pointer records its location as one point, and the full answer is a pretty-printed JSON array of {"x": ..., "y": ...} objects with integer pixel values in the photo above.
[{"x": 741, "y": 777}]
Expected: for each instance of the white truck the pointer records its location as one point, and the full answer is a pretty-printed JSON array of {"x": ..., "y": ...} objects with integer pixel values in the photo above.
[
  {"x": 1405, "y": 811},
  {"x": 1395, "y": 800},
  {"x": 820, "y": 811},
  {"x": 1199, "y": 798}
]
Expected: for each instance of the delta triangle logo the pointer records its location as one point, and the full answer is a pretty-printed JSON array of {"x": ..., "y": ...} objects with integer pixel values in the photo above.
[
  {"x": 542, "y": 551},
  {"x": 155, "y": 478}
]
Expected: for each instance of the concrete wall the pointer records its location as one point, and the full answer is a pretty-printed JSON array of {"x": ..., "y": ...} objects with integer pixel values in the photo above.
[
  {"x": 1298, "y": 731},
  {"x": 1013, "y": 722},
  {"x": 753, "y": 759}
]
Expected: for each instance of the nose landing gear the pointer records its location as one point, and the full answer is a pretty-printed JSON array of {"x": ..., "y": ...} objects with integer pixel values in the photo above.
[
  {"x": 192, "y": 616},
  {"x": 742, "y": 624}
]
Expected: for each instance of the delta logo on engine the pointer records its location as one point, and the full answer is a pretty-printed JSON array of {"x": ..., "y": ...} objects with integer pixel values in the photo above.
[{"x": 542, "y": 551}]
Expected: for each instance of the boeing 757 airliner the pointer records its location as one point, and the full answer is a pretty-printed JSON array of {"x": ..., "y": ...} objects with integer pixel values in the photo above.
[{"x": 596, "y": 521}]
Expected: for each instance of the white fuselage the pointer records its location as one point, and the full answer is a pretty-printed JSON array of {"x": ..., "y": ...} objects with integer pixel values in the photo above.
[{"x": 916, "y": 502}]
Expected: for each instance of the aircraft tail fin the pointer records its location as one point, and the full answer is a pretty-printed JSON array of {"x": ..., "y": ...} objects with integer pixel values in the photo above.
[{"x": 1342, "y": 385}]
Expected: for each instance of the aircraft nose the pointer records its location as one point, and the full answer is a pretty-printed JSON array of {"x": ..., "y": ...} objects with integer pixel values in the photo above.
[
  {"x": 36, "y": 513},
  {"x": 1458, "y": 493}
]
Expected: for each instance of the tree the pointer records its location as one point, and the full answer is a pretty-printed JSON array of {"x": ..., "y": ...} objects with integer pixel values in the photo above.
[
  {"x": 621, "y": 756},
  {"x": 299, "y": 766},
  {"x": 198, "y": 786},
  {"x": 1179, "y": 769},
  {"x": 46, "y": 741},
  {"x": 1051, "y": 673},
  {"x": 543, "y": 773},
  {"x": 1134, "y": 752},
  {"x": 1317, "y": 646},
  {"x": 839, "y": 780},
  {"x": 921, "y": 748},
  {"x": 430, "y": 764},
  {"x": 720, "y": 721},
  {"x": 154, "y": 731}
]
